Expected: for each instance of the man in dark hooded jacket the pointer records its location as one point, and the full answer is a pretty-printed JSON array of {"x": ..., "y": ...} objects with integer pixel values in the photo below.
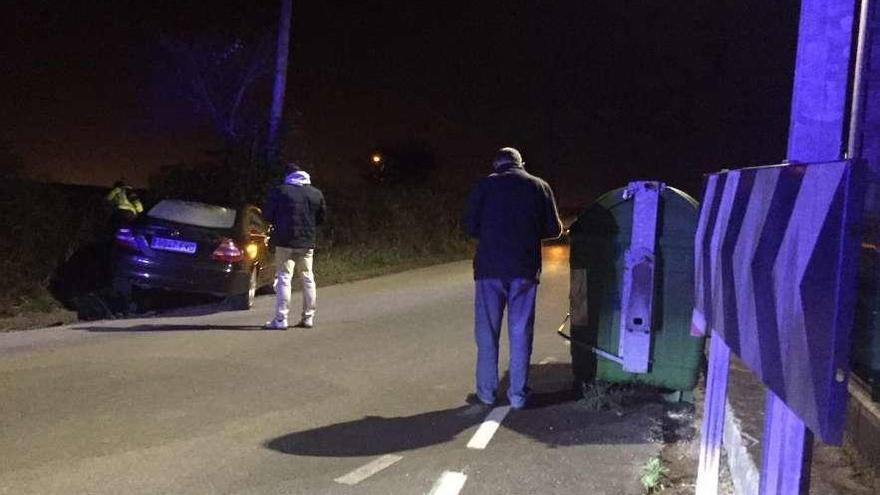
[
  {"x": 295, "y": 209},
  {"x": 508, "y": 213}
]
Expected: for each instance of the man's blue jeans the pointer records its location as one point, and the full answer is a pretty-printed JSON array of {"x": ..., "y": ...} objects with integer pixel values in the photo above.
[{"x": 492, "y": 295}]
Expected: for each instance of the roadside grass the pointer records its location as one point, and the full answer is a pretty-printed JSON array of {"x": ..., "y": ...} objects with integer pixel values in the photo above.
[
  {"x": 654, "y": 475},
  {"x": 349, "y": 265},
  {"x": 389, "y": 229},
  {"x": 371, "y": 232}
]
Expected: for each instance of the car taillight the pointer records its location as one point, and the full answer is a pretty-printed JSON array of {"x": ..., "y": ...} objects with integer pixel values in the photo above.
[
  {"x": 227, "y": 251},
  {"x": 125, "y": 239},
  {"x": 251, "y": 250}
]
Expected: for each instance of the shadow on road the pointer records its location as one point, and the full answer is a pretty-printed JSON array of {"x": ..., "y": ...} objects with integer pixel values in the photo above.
[
  {"x": 374, "y": 435},
  {"x": 172, "y": 328},
  {"x": 554, "y": 417}
]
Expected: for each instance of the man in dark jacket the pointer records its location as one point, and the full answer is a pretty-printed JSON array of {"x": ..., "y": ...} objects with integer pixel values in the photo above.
[
  {"x": 296, "y": 209},
  {"x": 508, "y": 213}
]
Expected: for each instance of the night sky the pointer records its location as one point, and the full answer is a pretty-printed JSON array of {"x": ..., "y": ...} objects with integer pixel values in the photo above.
[{"x": 594, "y": 93}]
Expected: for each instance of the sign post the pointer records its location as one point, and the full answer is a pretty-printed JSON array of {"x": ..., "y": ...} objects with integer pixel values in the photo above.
[
  {"x": 713, "y": 417},
  {"x": 786, "y": 446}
]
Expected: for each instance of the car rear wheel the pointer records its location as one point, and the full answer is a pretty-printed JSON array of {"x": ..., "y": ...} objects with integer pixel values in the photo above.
[{"x": 245, "y": 301}]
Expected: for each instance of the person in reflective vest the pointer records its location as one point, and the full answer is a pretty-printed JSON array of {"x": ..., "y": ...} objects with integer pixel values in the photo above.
[{"x": 124, "y": 203}]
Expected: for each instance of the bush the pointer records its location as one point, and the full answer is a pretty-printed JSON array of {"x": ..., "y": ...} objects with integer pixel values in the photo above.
[
  {"x": 47, "y": 224},
  {"x": 409, "y": 219},
  {"x": 405, "y": 218},
  {"x": 389, "y": 227},
  {"x": 230, "y": 180}
]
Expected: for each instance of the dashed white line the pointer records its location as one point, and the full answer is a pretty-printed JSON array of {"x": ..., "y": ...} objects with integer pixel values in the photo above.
[
  {"x": 367, "y": 470},
  {"x": 450, "y": 483},
  {"x": 488, "y": 428}
]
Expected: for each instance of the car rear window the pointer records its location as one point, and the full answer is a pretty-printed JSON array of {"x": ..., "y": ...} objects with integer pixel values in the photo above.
[{"x": 191, "y": 213}]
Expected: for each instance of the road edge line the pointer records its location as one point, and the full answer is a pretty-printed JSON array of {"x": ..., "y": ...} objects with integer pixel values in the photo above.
[
  {"x": 449, "y": 483},
  {"x": 487, "y": 429},
  {"x": 360, "y": 474}
]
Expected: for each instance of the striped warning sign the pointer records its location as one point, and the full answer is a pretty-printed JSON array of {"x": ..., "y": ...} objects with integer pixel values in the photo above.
[{"x": 775, "y": 257}]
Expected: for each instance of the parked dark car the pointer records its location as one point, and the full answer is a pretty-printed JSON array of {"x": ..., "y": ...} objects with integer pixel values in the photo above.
[{"x": 195, "y": 247}]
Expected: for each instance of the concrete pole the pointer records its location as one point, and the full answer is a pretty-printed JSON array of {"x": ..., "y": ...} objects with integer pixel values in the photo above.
[
  {"x": 819, "y": 111},
  {"x": 280, "y": 80},
  {"x": 819, "y": 132}
]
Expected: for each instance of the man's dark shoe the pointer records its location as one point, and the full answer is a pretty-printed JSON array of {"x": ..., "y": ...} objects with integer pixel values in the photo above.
[{"x": 474, "y": 399}]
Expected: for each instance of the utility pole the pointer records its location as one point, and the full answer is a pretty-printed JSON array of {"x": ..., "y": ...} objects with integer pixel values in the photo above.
[{"x": 280, "y": 80}]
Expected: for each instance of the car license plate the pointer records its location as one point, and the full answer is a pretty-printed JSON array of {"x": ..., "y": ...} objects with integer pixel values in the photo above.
[{"x": 173, "y": 245}]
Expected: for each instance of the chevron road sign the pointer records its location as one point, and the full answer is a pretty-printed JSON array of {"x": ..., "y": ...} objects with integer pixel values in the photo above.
[{"x": 775, "y": 257}]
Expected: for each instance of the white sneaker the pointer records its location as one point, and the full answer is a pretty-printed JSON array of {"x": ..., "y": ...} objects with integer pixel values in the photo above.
[
  {"x": 307, "y": 322},
  {"x": 276, "y": 324}
]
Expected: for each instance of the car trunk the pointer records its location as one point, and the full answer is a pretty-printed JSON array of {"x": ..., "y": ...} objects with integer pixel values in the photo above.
[{"x": 171, "y": 241}]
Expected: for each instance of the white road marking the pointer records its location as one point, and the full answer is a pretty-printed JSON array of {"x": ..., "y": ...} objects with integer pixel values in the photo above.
[
  {"x": 450, "y": 483},
  {"x": 367, "y": 470},
  {"x": 486, "y": 430},
  {"x": 547, "y": 360}
]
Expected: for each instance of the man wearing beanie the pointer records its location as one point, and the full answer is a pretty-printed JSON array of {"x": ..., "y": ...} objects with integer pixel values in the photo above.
[
  {"x": 509, "y": 212},
  {"x": 296, "y": 209}
]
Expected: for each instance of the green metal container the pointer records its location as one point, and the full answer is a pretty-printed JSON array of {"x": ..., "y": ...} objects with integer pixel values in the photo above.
[{"x": 599, "y": 240}]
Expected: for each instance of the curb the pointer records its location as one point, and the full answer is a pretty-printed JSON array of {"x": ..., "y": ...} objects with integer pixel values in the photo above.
[{"x": 744, "y": 472}]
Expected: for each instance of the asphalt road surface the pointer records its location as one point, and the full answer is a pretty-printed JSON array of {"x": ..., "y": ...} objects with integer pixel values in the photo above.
[{"x": 370, "y": 401}]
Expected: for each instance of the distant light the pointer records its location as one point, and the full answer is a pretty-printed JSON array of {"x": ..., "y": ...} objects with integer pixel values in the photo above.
[{"x": 376, "y": 158}]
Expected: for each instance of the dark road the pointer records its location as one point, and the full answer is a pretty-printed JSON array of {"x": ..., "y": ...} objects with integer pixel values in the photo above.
[{"x": 371, "y": 401}]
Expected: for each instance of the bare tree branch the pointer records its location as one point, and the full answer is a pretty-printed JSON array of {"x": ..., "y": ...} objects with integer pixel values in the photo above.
[
  {"x": 280, "y": 84},
  {"x": 218, "y": 75},
  {"x": 257, "y": 67}
]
